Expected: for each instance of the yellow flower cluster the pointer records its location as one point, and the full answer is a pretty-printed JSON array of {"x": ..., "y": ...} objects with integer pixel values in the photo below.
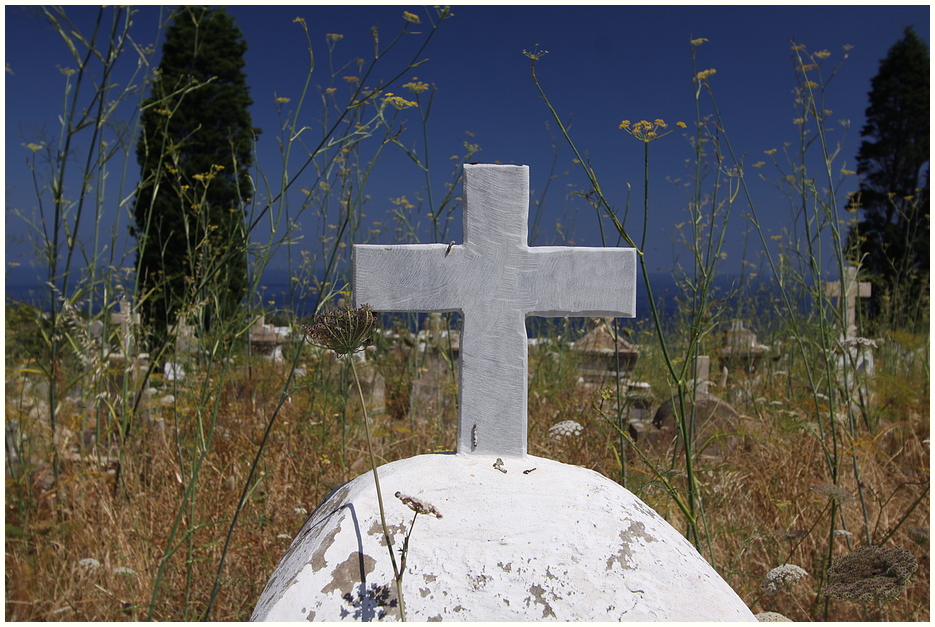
[
  {"x": 207, "y": 176},
  {"x": 333, "y": 37},
  {"x": 647, "y": 131},
  {"x": 702, "y": 75},
  {"x": 416, "y": 86},
  {"x": 411, "y": 17},
  {"x": 398, "y": 102}
]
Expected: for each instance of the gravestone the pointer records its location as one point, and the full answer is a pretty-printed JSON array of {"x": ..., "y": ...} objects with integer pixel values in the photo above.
[
  {"x": 126, "y": 367},
  {"x": 851, "y": 290},
  {"x": 521, "y": 537},
  {"x": 267, "y": 340},
  {"x": 601, "y": 356},
  {"x": 715, "y": 421},
  {"x": 741, "y": 350},
  {"x": 855, "y": 354}
]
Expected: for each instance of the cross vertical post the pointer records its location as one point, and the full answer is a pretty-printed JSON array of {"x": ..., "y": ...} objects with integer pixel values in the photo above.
[{"x": 495, "y": 280}]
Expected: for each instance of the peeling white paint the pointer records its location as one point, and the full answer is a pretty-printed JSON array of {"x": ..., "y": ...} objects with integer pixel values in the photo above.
[{"x": 560, "y": 543}]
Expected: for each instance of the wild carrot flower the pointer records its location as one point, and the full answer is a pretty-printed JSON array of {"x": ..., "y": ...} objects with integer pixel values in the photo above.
[
  {"x": 871, "y": 573},
  {"x": 781, "y": 577},
  {"x": 343, "y": 330},
  {"x": 565, "y": 428}
]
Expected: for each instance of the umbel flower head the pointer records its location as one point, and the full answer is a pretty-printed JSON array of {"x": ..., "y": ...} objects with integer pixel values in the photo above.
[
  {"x": 343, "y": 330},
  {"x": 781, "y": 577},
  {"x": 871, "y": 573}
]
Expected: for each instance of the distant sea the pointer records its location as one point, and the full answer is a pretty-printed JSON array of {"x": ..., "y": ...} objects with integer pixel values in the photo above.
[{"x": 23, "y": 285}]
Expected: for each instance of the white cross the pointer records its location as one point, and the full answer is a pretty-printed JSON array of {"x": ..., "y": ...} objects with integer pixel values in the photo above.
[
  {"x": 852, "y": 289},
  {"x": 494, "y": 279}
]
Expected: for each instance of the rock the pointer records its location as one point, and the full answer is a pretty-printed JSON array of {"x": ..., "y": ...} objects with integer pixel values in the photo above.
[{"x": 772, "y": 617}]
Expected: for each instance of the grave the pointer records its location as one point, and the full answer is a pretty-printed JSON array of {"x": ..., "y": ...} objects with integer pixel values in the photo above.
[
  {"x": 127, "y": 368},
  {"x": 855, "y": 354},
  {"x": 521, "y": 537},
  {"x": 601, "y": 356},
  {"x": 741, "y": 350},
  {"x": 715, "y": 420},
  {"x": 267, "y": 340},
  {"x": 186, "y": 343},
  {"x": 851, "y": 290}
]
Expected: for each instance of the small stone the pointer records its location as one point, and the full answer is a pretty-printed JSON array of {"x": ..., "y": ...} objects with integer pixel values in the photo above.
[{"x": 772, "y": 617}]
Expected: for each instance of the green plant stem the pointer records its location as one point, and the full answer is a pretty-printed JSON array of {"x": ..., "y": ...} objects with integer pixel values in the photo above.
[{"x": 376, "y": 481}]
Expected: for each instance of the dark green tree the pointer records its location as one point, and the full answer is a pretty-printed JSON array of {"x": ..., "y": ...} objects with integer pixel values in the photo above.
[
  {"x": 892, "y": 239},
  {"x": 195, "y": 152}
]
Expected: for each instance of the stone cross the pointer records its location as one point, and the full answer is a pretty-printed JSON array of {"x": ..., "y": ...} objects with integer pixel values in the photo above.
[
  {"x": 852, "y": 290},
  {"x": 495, "y": 280}
]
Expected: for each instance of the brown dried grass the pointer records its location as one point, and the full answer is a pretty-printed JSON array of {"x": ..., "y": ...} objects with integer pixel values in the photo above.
[{"x": 752, "y": 498}]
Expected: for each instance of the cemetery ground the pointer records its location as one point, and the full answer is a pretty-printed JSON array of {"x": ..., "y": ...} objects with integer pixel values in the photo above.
[{"x": 103, "y": 526}]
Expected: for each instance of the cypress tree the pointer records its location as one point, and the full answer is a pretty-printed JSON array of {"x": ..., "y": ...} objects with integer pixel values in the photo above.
[
  {"x": 194, "y": 152},
  {"x": 892, "y": 239}
]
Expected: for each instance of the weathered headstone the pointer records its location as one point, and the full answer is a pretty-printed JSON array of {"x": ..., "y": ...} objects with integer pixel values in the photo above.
[
  {"x": 185, "y": 341},
  {"x": 741, "y": 350},
  {"x": 522, "y": 538},
  {"x": 267, "y": 340},
  {"x": 603, "y": 359}
]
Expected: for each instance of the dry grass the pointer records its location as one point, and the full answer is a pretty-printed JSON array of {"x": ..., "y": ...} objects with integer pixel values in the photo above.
[{"x": 754, "y": 499}]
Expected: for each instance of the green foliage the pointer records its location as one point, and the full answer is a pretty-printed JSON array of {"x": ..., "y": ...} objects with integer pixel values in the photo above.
[
  {"x": 195, "y": 153},
  {"x": 892, "y": 240},
  {"x": 25, "y": 329}
]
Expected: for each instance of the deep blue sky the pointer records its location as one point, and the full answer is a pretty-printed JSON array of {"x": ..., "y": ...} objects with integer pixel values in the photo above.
[{"x": 605, "y": 64}]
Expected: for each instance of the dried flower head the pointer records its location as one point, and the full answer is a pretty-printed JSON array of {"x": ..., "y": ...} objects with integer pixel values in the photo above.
[
  {"x": 833, "y": 492},
  {"x": 782, "y": 577},
  {"x": 871, "y": 573},
  {"x": 343, "y": 330},
  {"x": 565, "y": 428},
  {"x": 419, "y": 507}
]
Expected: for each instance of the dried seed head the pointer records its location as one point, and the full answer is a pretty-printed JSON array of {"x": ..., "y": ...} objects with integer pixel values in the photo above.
[
  {"x": 833, "y": 492},
  {"x": 419, "y": 507},
  {"x": 871, "y": 573},
  {"x": 343, "y": 330}
]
